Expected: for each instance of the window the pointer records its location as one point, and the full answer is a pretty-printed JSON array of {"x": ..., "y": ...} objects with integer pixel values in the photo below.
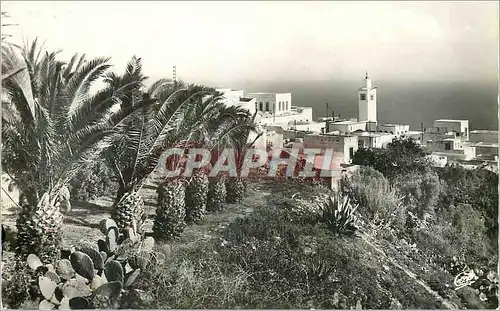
[
  {"x": 279, "y": 106},
  {"x": 371, "y": 96},
  {"x": 286, "y": 105},
  {"x": 267, "y": 106},
  {"x": 260, "y": 106},
  {"x": 362, "y": 96},
  {"x": 447, "y": 146},
  {"x": 351, "y": 152}
]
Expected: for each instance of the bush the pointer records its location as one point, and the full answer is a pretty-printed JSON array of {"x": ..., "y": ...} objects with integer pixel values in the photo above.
[
  {"x": 478, "y": 188},
  {"x": 378, "y": 201},
  {"x": 93, "y": 181},
  {"x": 420, "y": 190},
  {"x": 18, "y": 290},
  {"x": 466, "y": 232}
]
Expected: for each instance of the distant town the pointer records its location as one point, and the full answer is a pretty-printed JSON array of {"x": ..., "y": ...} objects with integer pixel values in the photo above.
[{"x": 285, "y": 125}]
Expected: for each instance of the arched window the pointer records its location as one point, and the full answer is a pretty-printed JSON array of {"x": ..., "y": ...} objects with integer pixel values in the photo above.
[
  {"x": 286, "y": 105},
  {"x": 267, "y": 106},
  {"x": 260, "y": 106}
]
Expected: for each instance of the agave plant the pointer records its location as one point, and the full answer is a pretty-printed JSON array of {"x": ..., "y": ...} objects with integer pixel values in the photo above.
[
  {"x": 57, "y": 125},
  {"x": 338, "y": 215}
]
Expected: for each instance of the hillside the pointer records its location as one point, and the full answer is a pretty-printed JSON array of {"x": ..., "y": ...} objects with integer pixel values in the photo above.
[{"x": 265, "y": 253}]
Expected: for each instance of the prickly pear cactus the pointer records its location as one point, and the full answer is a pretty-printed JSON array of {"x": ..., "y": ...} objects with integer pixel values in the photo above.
[
  {"x": 196, "y": 197},
  {"x": 216, "y": 198},
  {"x": 94, "y": 277},
  {"x": 171, "y": 211}
]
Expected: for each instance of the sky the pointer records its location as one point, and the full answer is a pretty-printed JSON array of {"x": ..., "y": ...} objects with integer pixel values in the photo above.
[{"x": 229, "y": 42}]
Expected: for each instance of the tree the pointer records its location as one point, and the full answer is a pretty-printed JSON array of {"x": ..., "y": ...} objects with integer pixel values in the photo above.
[
  {"x": 57, "y": 126},
  {"x": 400, "y": 156}
]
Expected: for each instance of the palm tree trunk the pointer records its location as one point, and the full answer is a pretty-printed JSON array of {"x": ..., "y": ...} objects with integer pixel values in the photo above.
[{"x": 39, "y": 230}]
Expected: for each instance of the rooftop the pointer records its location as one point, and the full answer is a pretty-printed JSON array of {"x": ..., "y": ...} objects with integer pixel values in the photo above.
[
  {"x": 451, "y": 120},
  {"x": 372, "y": 134},
  {"x": 392, "y": 124},
  {"x": 245, "y": 99},
  {"x": 347, "y": 122},
  {"x": 483, "y": 132},
  {"x": 483, "y": 144}
]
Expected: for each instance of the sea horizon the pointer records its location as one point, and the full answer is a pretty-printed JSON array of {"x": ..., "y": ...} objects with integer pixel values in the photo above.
[{"x": 407, "y": 102}]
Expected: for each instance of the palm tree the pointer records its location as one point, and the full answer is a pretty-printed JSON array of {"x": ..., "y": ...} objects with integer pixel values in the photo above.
[
  {"x": 162, "y": 123},
  {"x": 56, "y": 125},
  {"x": 184, "y": 200},
  {"x": 232, "y": 127},
  {"x": 241, "y": 142}
]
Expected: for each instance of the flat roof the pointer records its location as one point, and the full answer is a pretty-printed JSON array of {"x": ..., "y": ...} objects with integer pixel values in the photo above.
[
  {"x": 450, "y": 120},
  {"x": 393, "y": 124},
  {"x": 483, "y": 144},
  {"x": 246, "y": 99},
  {"x": 347, "y": 122},
  {"x": 483, "y": 132},
  {"x": 372, "y": 134},
  {"x": 329, "y": 135}
]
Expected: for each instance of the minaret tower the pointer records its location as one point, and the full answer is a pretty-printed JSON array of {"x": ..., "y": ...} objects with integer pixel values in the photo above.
[{"x": 367, "y": 101}]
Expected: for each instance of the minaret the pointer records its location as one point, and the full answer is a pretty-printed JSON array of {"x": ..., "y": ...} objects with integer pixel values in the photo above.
[{"x": 367, "y": 101}]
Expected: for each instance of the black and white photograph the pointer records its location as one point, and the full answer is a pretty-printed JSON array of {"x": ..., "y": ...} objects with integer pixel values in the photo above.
[{"x": 249, "y": 155}]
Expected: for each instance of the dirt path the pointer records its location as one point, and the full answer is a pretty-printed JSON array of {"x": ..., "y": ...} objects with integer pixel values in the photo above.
[
  {"x": 446, "y": 303},
  {"x": 81, "y": 223}
]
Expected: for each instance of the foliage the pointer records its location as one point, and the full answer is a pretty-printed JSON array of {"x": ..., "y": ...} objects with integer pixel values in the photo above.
[
  {"x": 338, "y": 215},
  {"x": 95, "y": 277},
  {"x": 479, "y": 188},
  {"x": 466, "y": 232},
  {"x": 56, "y": 126},
  {"x": 421, "y": 190},
  {"x": 379, "y": 202},
  {"x": 93, "y": 181},
  {"x": 401, "y": 156}
]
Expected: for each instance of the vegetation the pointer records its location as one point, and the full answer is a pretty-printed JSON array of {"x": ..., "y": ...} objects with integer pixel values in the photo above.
[
  {"x": 398, "y": 233},
  {"x": 93, "y": 181},
  {"x": 56, "y": 126}
]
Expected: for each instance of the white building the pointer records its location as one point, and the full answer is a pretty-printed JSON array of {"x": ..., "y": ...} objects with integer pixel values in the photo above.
[
  {"x": 370, "y": 133},
  {"x": 344, "y": 146},
  {"x": 459, "y": 127},
  {"x": 312, "y": 126},
  {"x": 237, "y": 98},
  {"x": 276, "y": 104},
  {"x": 374, "y": 140},
  {"x": 485, "y": 136},
  {"x": 486, "y": 143},
  {"x": 367, "y": 101}
]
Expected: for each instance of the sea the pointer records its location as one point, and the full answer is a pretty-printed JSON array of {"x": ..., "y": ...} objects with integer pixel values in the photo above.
[{"x": 415, "y": 103}]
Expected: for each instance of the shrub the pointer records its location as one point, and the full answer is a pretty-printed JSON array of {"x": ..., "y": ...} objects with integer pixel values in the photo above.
[
  {"x": 466, "y": 232},
  {"x": 16, "y": 284},
  {"x": 378, "y": 201},
  {"x": 93, "y": 181},
  {"x": 420, "y": 190}
]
